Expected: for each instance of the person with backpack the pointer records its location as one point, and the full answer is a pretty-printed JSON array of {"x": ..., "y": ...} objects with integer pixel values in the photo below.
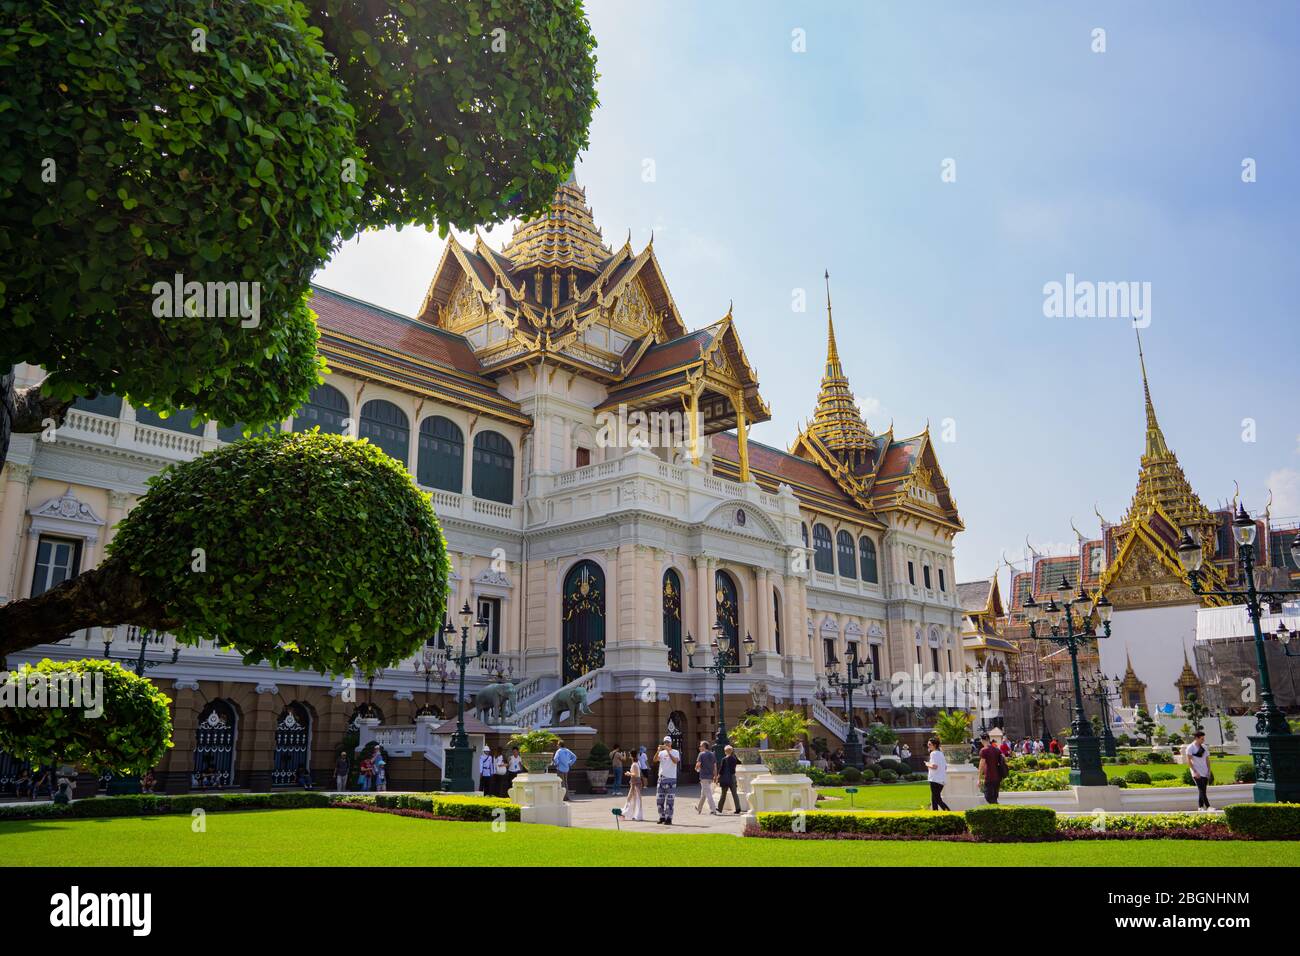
[{"x": 993, "y": 769}]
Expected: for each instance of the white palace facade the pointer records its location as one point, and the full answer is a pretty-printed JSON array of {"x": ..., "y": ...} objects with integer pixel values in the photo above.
[{"x": 590, "y": 553}]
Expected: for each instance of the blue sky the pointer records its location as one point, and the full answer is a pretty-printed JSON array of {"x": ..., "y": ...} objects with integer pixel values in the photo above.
[{"x": 771, "y": 165}]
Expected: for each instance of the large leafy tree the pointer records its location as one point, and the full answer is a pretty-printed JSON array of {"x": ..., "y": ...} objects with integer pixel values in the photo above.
[{"x": 237, "y": 143}]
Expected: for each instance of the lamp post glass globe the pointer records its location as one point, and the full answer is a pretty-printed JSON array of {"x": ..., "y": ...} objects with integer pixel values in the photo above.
[
  {"x": 1243, "y": 528},
  {"x": 1190, "y": 554}
]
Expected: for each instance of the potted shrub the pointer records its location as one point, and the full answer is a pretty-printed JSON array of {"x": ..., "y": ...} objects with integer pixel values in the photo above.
[
  {"x": 952, "y": 727},
  {"x": 781, "y": 728},
  {"x": 745, "y": 738},
  {"x": 536, "y": 747},
  {"x": 881, "y": 737},
  {"x": 598, "y": 764}
]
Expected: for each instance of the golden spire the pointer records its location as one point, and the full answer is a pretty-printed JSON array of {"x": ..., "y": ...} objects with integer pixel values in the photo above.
[
  {"x": 565, "y": 236},
  {"x": 837, "y": 422},
  {"x": 1161, "y": 480},
  {"x": 1155, "y": 437}
]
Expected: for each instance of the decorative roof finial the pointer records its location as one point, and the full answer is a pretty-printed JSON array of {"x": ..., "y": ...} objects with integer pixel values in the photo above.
[
  {"x": 837, "y": 420},
  {"x": 1155, "y": 438}
]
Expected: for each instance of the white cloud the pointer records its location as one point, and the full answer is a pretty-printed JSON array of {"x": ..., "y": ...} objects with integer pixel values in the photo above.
[{"x": 1285, "y": 485}]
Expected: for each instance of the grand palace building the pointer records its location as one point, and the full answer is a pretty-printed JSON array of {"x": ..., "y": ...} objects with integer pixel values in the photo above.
[{"x": 588, "y": 457}]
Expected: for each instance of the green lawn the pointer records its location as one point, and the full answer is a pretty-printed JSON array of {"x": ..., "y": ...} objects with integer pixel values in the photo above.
[
  {"x": 877, "y": 796},
  {"x": 352, "y": 838}
]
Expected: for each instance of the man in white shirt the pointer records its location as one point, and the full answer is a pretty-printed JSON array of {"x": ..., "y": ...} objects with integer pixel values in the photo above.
[
  {"x": 1198, "y": 762},
  {"x": 487, "y": 768},
  {"x": 667, "y": 758}
]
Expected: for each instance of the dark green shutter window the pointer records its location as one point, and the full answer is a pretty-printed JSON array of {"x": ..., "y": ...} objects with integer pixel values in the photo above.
[
  {"x": 583, "y": 619},
  {"x": 848, "y": 557},
  {"x": 327, "y": 408},
  {"x": 441, "y": 462},
  {"x": 181, "y": 421},
  {"x": 867, "y": 551},
  {"x": 823, "y": 551},
  {"x": 386, "y": 426},
  {"x": 673, "y": 619},
  {"x": 494, "y": 468}
]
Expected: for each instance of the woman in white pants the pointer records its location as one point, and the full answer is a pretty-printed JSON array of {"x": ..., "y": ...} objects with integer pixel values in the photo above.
[{"x": 632, "y": 806}]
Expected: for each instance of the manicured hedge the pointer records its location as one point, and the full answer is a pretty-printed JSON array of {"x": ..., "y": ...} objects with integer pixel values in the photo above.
[
  {"x": 1136, "y": 822},
  {"x": 1264, "y": 821},
  {"x": 141, "y": 805},
  {"x": 902, "y": 823},
  {"x": 452, "y": 806},
  {"x": 1011, "y": 823}
]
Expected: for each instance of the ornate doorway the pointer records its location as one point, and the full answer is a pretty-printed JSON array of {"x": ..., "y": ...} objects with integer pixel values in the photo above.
[
  {"x": 673, "y": 619},
  {"x": 728, "y": 613},
  {"x": 214, "y": 747},
  {"x": 584, "y": 620},
  {"x": 292, "y": 745}
]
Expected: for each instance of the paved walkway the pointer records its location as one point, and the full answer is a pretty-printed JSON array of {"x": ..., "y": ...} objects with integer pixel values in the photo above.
[{"x": 594, "y": 811}]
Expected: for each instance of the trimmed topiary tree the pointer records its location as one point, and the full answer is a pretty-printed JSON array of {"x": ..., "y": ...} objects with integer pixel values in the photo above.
[
  {"x": 302, "y": 550},
  {"x": 121, "y": 723}
]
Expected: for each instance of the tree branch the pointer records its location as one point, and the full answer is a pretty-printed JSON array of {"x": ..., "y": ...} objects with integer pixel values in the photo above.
[
  {"x": 107, "y": 595},
  {"x": 32, "y": 409}
]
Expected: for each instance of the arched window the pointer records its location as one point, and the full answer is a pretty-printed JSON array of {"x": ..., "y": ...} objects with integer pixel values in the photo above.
[
  {"x": 776, "y": 624},
  {"x": 823, "y": 553},
  {"x": 214, "y": 747},
  {"x": 101, "y": 404},
  {"x": 441, "y": 461},
  {"x": 584, "y": 619},
  {"x": 848, "y": 556},
  {"x": 494, "y": 468},
  {"x": 867, "y": 556},
  {"x": 179, "y": 421},
  {"x": 386, "y": 426},
  {"x": 728, "y": 613},
  {"x": 292, "y": 746},
  {"x": 327, "y": 408},
  {"x": 673, "y": 619},
  {"x": 804, "y": 528}
]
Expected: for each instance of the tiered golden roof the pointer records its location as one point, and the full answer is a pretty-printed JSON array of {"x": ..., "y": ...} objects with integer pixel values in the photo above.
[
  {"x": 565, "y": 236},
  {"x": 1161, "y": 481},
  {"x": 838, "y": 422}
]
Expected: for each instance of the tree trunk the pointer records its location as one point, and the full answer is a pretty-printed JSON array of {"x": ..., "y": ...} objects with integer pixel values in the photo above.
[
  {"x": 107, "y": 595},
  {"x": 25, "y": 411}
]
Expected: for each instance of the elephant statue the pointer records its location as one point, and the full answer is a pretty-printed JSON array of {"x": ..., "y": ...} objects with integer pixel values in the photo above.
[
  {"x": 498, "y": 699},
  {"x": 574, "y": 701}
]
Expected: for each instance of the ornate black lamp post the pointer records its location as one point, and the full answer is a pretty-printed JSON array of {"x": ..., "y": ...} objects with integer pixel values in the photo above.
[
  {"x": 140, "y": 663},
  {"x": 460, "y": 757},
  {"x": 1085, "y": 749},
  {"x": 720, "y": 668},
  {"x": 1100, "y": 690},
  {"x": 847, "y": 685},
  {"x": 1275, "y": 749}
]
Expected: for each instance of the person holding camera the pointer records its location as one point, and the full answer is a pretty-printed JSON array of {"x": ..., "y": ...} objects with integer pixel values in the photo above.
[{"x": 666, "y": 790}]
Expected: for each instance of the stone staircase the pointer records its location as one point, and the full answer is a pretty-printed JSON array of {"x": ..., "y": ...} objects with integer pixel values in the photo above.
[{"x": 537, "y": 713}]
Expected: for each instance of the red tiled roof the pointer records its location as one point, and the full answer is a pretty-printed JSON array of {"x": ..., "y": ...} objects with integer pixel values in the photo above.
[
  {"x": 346, "y": 316},
  {"x": 670, "y": 354},
  {"x": 900, "y": 458},
  {"x": 782, "y": 465}
]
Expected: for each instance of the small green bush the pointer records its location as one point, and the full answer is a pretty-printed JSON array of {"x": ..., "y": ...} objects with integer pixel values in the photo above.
[
  {"x": 902, "y": 823},
  {"x": 1137, "y": 776},
  {"x": 888, "y": 776},
  {"x": 1037, "y": 782},
  {"x": 868, "y": 775},
  {"x": 1158, "y": 756},
  {"x": 139, "y": 805},
  {"x": 889, "y": 763},
  {"x": 1187, "y": 778},
  {"x": 1245, "y": 773},
  {"x": 1163, "y": 775},
  {"x": 851, "y": 775},
  {"x": 1001, "y": 823},
  {"x": 1118, "y": 782},
  {"x": 1265, "y": 821},
  {"x": 454, "y": 806}
]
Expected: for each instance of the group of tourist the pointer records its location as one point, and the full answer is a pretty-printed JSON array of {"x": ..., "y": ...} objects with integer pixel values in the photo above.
[
  {"x": 31, "y": 783},
  {"x": 497, "y": 771},
  {"x": 661, "y": 772},
  {"x": 372, "y": 774}
]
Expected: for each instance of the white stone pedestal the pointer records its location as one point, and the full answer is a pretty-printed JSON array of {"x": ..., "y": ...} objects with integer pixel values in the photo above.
[
  {"x": 746, "y": 774},
  {"x": 962, "y": 791},
  {"x": 541, "y": 799},
  {"x": 780, "y": 793}
]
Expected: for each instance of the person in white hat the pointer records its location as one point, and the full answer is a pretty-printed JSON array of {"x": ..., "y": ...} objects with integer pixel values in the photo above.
[
  {"x": 487, "y": 767},
  {"x": 666, "y": 789}
]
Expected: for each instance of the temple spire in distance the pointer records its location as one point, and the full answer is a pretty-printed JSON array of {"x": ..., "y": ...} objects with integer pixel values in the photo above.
[
  {"x": 837, "y": 422},
  {"x": 1155, "y": 437}
]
